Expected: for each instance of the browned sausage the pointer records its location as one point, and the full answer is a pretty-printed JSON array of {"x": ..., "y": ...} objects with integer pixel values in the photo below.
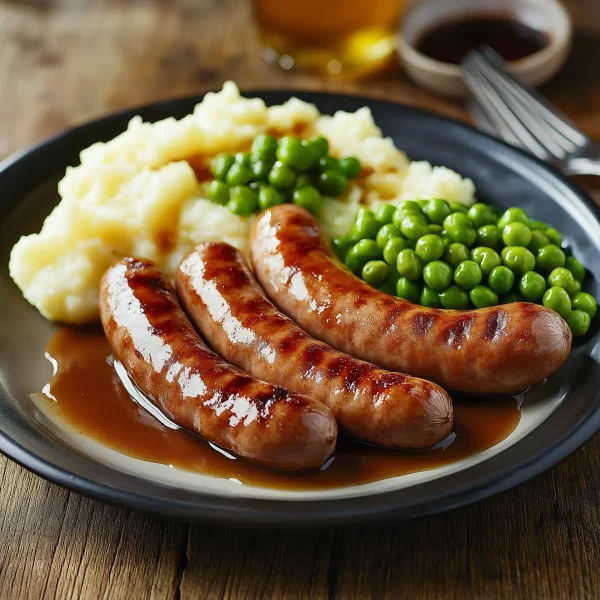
[
  {"x": 501, "y": 349},
  {"x": 150, "y": 334},
  {"x": 229, "y": 308}
]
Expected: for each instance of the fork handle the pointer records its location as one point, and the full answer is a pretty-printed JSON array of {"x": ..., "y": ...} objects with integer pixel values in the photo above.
[{"x": 583, "y": 166}]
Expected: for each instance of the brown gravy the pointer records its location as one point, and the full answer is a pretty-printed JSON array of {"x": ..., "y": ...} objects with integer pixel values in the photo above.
[
  {"x": 87, "y": 393},
  {"x": 451, "y": 41}
]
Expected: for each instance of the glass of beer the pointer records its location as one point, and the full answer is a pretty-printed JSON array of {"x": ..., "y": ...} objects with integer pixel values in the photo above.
[{"x": 332, "y": 37}]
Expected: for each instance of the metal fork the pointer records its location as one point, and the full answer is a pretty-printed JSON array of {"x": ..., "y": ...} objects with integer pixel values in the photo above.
[{"x": 504, "y": 105}]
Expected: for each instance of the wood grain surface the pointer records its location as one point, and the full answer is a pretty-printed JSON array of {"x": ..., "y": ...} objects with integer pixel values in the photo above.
[{"x": 66, "y": 61}]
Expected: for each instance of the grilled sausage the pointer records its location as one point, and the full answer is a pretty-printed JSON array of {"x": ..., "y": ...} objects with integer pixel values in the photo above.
[
  {"x": 230, "y": 309},
  {"x": 151, "y": 335},
  {"x": 501, "y": 349}
]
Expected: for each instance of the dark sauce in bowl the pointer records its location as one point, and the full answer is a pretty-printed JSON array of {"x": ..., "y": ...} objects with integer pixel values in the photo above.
[
  {"x": 86, "y": 392},
  {"x": 451, "y": 41}
]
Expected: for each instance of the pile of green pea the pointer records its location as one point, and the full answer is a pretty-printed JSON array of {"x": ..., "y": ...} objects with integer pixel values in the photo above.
[
  {"x": 446, "y": 255},
  {"x": 274, "y": 172}
]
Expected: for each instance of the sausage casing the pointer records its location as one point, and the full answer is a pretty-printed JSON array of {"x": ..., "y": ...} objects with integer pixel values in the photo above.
[
  {"x": 230, "y": 309},
  {"x": 151, "y": 335},
  {"x": 501, "y": 349}
]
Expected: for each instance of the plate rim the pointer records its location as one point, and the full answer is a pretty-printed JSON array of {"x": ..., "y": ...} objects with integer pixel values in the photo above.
[{"x": 240, "y": 510}]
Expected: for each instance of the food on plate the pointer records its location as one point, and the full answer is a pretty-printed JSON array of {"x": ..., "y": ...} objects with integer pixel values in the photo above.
[
  {"x": 223, "y": 299},
  {"x": 274, "y": 172},
  {"x": 147, "y": 193},
  {"x": 151, "y": 336},
  {"x": 499, "y": 349},
  {"x": 436, "y": 255}
]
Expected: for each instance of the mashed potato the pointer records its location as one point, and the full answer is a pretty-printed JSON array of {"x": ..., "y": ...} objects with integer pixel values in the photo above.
[{"x": 138, "y": 194}]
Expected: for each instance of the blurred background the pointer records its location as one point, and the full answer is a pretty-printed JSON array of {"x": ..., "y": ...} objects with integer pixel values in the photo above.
[{"x": 65, "y": 61}]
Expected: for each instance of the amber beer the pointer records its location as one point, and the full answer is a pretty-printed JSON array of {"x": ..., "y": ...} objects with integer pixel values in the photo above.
[{"x": 335, "y": 37}]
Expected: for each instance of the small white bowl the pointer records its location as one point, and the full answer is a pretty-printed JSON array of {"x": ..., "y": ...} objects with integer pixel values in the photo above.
[{"x": 445, "y": 78}]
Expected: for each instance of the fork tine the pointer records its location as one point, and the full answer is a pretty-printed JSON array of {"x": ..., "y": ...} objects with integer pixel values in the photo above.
[
  {"x": 509, "y": 127},
  {"x": 535, "y": 101},
  {"x": 540, "y": 130},
  {"x": 485, "y": 124}
]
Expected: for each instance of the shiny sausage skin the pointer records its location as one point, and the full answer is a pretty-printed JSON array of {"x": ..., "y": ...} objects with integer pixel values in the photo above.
[
  {"x": 501, "y": 349},
  {"x": 151, "y": 335},
  {"x": 230, "y": 309}
]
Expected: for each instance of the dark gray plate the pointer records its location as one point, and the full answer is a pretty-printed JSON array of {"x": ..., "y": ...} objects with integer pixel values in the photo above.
[{"x": 503, "y": 175}]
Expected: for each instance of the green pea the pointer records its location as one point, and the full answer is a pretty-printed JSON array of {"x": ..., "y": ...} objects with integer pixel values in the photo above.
[
  {"x": 366, "y": 225},
  {"x": 260, "y": 168},
  {"x": 342, "y": 244},
  {"x": 437, "y": 210},
  {"x": 578, "y": 322},
  {"x": 575, "y": 267},
  {"x": 532, "y": 286},
  {"x": 385, "y": 213},
  {"x": 243, "y": 201},
  {"x": 350, "y": 167},
  {"x": 557, "y": 299},
  {"x": 459, "y": 229},
  {"x": 409, "y": 290},
  {"x": 393, "y": 247},
  {"x": 281, "y": 176},
  {"x": 435, "y": 228},
  {"x": 239, "y": 174},
  {"x": 455, "y": 298},
  {"x": 511, "y": 297},
  {"x": 437, "y": 275},
  {"x": 576, "y": 289},
  {"x": 430, "y": 247},
  {"x": 295, "y": 153},
  {"x": 537, "y": 225},
  {"x": 486, "y": 258},
  {"x": 468, "y": 274},
  {"x": 421, "y": 203},
  {"x": 482, "y": 297},
  {"x": 332, "y": 183},
  {"x": 550, "y": 257},
  {"x": 257, "y": 185},
  {"x": 585, "y": 302},
  {"x": 328, "y": 163},
  {"x": 218, "y": 192},
  {"x": 412, "y": 227},
  {"x": 309, "y": 198},
  {"x": 264, "y": 145},
  {"x": 319, "y": 145},
  {"x": 519, "y": 259},
  {"x": 513, "y": 215},
  {"x": 501, "y": 279},
  {"x": 302, "y": 181},
  {"x": 429, "y": 298},
  {"x": 538, "y": 240},
  {"x": 481, "y": 214},
  {"x": 409, "y": 265},
  {"x": 455, "y": 253},
  {"x": 221, "y": 165},
  {"x": 410, "y": 206},
  {"x": 386, "y": 233},
  {"x": 268, "y": 196},
  {"x": 360, "y": 254},
  {"x": 564, "y": 278},
  {"x": 458, "y": 207},
  {"x": 402, "y": 212},
  {"x": 375, "y": 272},
  {"x": 243, "y": 158},
  {"x": 553, "y": 235},
  {"x": 516, "y": 234},
  {"x": 489, "y": 236}
]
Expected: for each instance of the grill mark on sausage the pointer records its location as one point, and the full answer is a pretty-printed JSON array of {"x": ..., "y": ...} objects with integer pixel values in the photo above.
[
  {"x": 422, "y": 323},
  {"x": 457, "y": 333},
  {"x": 495, "y": 323},
  {"x": 312, "y": 357},
  {"x": 291, "y": 341},
  {"x": 392, "y": 314}
]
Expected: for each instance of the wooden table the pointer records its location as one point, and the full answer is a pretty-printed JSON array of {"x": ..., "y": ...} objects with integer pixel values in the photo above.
[{"x": 66, "y": 61}]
